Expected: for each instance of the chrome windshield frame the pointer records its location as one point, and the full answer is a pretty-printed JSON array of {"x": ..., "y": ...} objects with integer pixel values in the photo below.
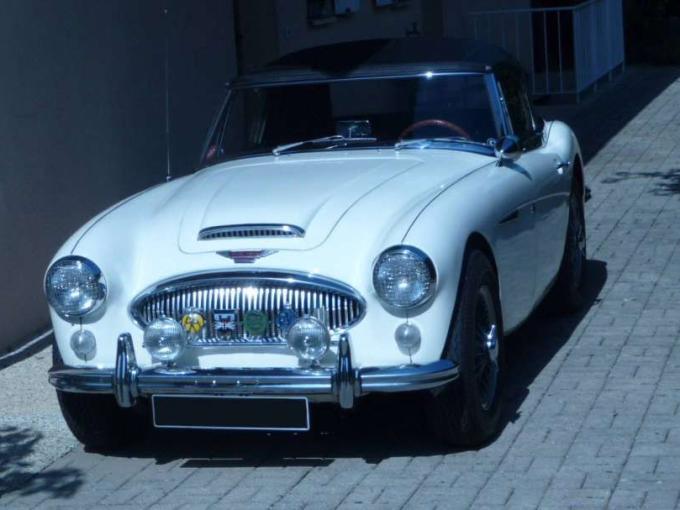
[{"x": 495, "y": 98}]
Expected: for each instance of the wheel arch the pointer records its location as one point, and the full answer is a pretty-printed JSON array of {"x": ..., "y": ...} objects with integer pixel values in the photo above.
[
  {"x": 475, "y": 241},
  {"x": 478, "y": 241}
]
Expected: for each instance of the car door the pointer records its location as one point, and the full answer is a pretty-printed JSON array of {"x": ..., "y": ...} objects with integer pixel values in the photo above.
[
  {"x": 548, "y": 201},
  {"x": 515, "y": 243},
  {"x": 550, "y": 190}
]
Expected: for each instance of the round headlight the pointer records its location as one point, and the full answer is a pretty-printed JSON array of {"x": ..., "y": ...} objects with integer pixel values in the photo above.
[
  {"x": 404, "y": 277},
  {"x": 165, "y": 338},
  {"x": 74, "y": 287},
  {"x": 309, "y": 338}
]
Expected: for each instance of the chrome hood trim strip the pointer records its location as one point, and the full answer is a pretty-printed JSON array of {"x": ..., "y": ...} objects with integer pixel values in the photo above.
[{"x": 250, "y": 231}]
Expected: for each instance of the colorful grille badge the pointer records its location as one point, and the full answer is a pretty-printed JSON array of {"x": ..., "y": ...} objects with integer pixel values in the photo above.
[
  {"x": 255, "y": 323},
  {"x": 192, "y": 322}
]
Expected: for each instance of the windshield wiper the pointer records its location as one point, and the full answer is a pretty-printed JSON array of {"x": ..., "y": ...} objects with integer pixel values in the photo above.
[
  {"x": 325, "y": 139},
  {"x": 422, "y": 143}
]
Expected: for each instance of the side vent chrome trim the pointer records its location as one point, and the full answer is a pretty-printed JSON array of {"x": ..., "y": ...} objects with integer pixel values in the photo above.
[{"x": 250, "y": 231}]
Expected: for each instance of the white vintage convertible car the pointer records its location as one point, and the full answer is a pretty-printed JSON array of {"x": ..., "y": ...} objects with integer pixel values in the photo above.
[{"x": 367, "y": 218}]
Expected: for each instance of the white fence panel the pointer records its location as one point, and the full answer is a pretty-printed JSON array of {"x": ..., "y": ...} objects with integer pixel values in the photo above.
[{"x": 564, "y": 49}]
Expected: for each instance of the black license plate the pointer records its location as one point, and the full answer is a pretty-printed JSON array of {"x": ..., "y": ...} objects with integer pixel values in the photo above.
[{"x": 230, "y": 413}]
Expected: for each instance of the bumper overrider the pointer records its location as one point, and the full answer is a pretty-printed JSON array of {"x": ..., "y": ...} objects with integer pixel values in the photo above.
[{"x": 342, "y": 384}]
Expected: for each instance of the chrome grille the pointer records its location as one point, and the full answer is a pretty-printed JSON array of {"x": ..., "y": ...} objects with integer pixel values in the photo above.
[
  {"x": 248, "y": 231},
  {"x": 341, "y": 306}
]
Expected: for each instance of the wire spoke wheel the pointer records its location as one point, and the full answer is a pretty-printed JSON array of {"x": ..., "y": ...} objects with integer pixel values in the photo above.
[
  {"x": 578, "y": 238},
  {"x": 467, "y": 411},
  {"x": 486, "y": 341}
]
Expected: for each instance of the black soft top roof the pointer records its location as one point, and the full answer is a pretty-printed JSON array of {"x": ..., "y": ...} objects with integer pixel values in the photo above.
[{"x": 386, "y": 56}]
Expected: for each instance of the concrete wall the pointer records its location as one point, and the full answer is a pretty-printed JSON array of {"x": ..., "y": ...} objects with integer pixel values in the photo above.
[
  {"x": 271, "y": 28},
  {"x": 82, "y": 120}
]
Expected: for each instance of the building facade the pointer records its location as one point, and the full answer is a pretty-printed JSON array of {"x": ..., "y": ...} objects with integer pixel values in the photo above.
[{"x": 267, "y": 29}]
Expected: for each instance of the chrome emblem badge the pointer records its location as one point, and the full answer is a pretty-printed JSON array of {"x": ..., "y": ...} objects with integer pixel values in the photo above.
[
  {"x": 224, "y": 322},
  {"x": 245, "y": 256},
  {"x": 285, "y": 319},
  {"x": 255, "y": 323},
  {"x": 192, "y": 322}
]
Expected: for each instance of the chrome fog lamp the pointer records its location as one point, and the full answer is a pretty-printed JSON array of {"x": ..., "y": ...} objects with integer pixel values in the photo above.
[
  {"x": 75, "y": 287},
  {"x": 84, "y": 344},
  {"x": 407, "y": 336},
  {"x": 309, "y": 338},
  {"x": 165, "y": 339},
  {"x": 404, "y": 277}
]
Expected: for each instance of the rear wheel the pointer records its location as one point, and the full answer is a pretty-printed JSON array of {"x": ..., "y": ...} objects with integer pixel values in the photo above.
[
  {"x": 567, "y": 293},
  {"x": 467, "y": 411}
]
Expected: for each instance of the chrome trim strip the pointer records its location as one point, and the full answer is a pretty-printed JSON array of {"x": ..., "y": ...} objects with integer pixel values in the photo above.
[
  {"x": 273, "y": 381},
  {"x": 280, "y": 78},
  {"x": 499, "y": 105},
  {"x": 408, "y": 377},
  {"x": 343, "y": 383},
  {"x": 250, "y": 231},
  {"x": 510, "y": 217},
  {"x": 82, "y": 380}
]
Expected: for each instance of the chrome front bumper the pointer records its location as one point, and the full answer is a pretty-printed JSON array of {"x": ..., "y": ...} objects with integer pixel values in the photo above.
[{"x": 342, "y": 384}]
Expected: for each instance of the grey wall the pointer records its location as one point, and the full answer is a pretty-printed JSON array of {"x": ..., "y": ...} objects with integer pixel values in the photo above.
[{"x": 82, "y": 120}]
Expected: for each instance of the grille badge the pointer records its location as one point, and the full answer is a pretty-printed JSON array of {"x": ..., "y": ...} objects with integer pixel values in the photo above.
[{"x": 245, "y": 256}]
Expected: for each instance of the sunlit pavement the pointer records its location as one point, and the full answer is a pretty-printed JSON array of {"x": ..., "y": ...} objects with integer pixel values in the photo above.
[{"x": 593, "y": 400}]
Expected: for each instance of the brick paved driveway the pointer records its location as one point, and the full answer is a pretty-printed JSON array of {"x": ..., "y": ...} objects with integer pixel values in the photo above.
[{"x": 593, "y": 403}]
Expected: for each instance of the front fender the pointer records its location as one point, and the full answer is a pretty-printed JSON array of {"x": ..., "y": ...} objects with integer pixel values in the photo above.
[{"x": 443, "y": 231}]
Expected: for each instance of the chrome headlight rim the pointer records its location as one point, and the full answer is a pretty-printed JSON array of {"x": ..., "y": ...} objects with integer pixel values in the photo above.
[
  {"x": 96, "y": 273},
  {"x": 424, "y": 258}
]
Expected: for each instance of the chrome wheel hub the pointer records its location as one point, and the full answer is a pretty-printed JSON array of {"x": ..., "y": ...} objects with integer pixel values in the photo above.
[
  {"x": 492, "y": 344},
  {"x": 488, "y": 347}
]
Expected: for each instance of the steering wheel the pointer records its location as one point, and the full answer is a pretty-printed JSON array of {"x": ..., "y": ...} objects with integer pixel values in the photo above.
[{"x": 437, "y": 123}]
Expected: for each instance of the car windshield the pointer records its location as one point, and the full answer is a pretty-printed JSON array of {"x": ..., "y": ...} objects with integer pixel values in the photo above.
[{"x": 453, "y": 110}]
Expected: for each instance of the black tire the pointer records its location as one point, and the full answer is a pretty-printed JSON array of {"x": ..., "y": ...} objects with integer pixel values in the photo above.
[
  {"x": 467, "y": 411},
  {"x": 97, "y": 421},
  {"x": 566, "y": 296}
]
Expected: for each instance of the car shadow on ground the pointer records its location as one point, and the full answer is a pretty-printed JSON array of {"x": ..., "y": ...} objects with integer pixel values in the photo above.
[
  {"x": 534, "y": 344},
  {"x": 381, "y": 427},
  {"x": 16, "y": 476}
]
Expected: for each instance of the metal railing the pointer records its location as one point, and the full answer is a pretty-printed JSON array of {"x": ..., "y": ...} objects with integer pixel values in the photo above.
[{"x": 566, "y": 50}]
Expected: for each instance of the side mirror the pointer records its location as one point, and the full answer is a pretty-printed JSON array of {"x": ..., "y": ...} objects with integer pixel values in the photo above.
[{"x": 508, "y": 149}]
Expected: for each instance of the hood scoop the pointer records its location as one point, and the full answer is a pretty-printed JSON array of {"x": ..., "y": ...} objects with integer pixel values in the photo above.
[{"x": 250, "y": 231}]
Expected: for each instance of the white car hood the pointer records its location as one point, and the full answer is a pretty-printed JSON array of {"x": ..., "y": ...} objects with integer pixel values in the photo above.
[
  {"x": 358, "y": 197},
  {"x": 310, "y": 193}
]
